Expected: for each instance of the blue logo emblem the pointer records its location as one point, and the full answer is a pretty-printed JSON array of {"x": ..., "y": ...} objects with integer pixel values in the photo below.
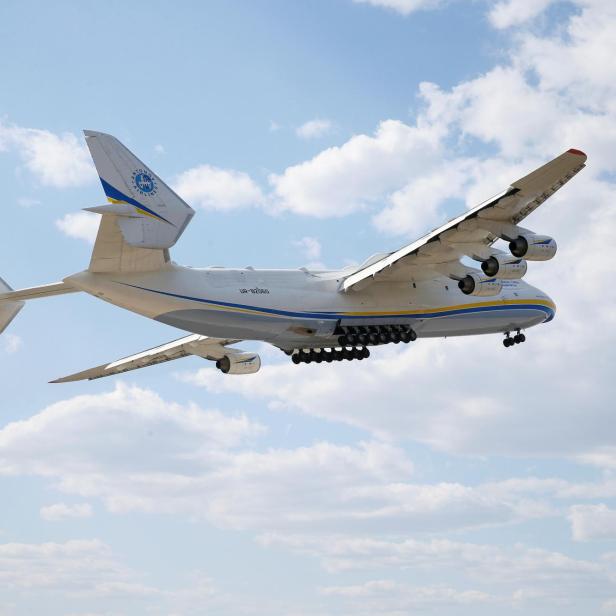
[{"x": 144, "y": 183}]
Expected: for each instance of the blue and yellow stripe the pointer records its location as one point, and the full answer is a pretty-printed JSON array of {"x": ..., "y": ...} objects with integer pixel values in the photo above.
[
  {"x": 545, "y": 306},
  {"x": 116, "y": 196}
]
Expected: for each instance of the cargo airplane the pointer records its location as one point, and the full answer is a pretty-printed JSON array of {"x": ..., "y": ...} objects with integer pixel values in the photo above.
[{"x": 428, "y": 288}]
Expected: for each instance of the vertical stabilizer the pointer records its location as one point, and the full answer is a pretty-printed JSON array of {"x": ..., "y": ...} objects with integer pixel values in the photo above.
[{"x": 149, "y": 213}]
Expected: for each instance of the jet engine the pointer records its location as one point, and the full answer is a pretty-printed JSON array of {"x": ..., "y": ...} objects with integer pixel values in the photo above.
[
  {"x": 504, "y": 266},
  {"x": 239, "y": 363},
  {"x": 475, "y": 284},
  {"x": 533, "y": 247}
]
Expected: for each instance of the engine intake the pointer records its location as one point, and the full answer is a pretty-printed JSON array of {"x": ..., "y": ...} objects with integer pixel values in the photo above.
[
  {"x": 533, "y": 247},
  {"x": 239, "y": 363},
  {"x": 506, "y": 267},
  {"x": 474, "y": 284}
]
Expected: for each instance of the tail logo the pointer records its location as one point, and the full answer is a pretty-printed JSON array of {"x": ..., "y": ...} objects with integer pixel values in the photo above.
[{"x": 144, "y": 183}]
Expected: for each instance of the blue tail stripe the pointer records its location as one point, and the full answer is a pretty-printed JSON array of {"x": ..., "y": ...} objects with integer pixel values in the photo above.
[{"x": 114, "y": 193}]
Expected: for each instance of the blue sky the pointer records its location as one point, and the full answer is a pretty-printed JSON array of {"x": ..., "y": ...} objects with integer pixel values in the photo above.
[{"x": 448, "y": 477}]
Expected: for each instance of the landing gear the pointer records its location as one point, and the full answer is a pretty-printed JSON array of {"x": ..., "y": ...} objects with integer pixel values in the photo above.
[
  {"x": 329, "y": 355},
  {"x": 353, "y": 343},
  {"x": 517, "y": 339}
]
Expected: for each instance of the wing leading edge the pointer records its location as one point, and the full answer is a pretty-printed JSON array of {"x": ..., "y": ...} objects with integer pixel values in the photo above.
[
  {"x": 209, "y": 348},
  {"x": 474, "y": 231}
]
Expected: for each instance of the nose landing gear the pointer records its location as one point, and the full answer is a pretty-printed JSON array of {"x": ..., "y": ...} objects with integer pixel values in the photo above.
[{"x": 517, "y": 339}]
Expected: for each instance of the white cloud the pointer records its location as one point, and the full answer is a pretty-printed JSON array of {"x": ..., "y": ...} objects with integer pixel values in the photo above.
[
  {"x": 219, "y": 189},
  {"x": 274, "y": 126},
  {"x": 66, "y": 576},
  {"x": 509, "y": 13},
  {"x": 159, "y": 148},
  {"x": 416, "y": 207},
  {"x": 56, "y": 160},
  {"x": 27, "y": 202},
  {"x": 75, "y": 566},
  {"x": 404, "y": 7},
  {"x": 200, "y": 463},
  {"x": 502, "y": 567},
  {"x": 11, "y": 343},
  {"x": 310, "y": 246},
  {"x": 589, "y": 522},
  {"x": 344, "y": 179},
  {"x": 62, "y": 511},
  {"x": 313, "y": 129},
  {"x": 389, "y": 597},
  {"x": 80, "y": 225}
]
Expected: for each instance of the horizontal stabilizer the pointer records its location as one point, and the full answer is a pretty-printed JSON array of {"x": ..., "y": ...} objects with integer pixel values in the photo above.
[
  {"x": 45, "y": 290},
  {"x": 203, "y": 346},
  {"x": 151, "y": 215}
]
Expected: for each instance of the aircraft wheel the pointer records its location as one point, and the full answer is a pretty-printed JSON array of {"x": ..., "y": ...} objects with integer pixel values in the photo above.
[{"x": 296, "y": 359}]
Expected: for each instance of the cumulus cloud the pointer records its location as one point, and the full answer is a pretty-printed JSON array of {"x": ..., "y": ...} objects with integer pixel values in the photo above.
[
  {"x": 404, "y": 7},
  {"x": 310, "y": 246},
  {"x": 80, "y": 225},
  {"x": 589, "y": 522},
  {"x": 201, "y": 463},
  {"x": 66, "y": 576},
  {"x": 55, "y": 160},
  {"x": 62, "y": 511},
  {"x": 218, "y": 189},
  {"x": 346, "y": 178},
  {"x": 11, "y": 343},
  {"x": 515, "y": 12},
  {"x": 314, "y": 129},
  {"x": 79, "y": 566},
  {"x": 502, "y": 567},
  {"x": 390, "y": 597}
]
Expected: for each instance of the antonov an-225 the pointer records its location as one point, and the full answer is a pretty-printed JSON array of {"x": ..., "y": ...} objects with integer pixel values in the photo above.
[{"x": 425, "y": 289}]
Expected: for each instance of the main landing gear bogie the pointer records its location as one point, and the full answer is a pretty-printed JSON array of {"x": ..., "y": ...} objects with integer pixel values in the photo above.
[
  {"x": 353, "y": 343},
  {"x": 509, "y": 340},
  {"x": 374, "y": 334},
  {"x": 329, "y": 355}
]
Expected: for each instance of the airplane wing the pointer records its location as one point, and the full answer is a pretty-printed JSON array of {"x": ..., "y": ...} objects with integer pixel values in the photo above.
[
  {"x": 233, "y": 361},
  {"x": 473, "y": 232}
]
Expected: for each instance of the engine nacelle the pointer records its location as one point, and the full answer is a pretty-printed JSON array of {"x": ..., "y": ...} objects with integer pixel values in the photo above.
[
  {"x": 506, "y": 267},
  {"x": 533, "y": 247},
  {"x": 239, "y": 363},
  {"x": 474, "y": 284}
]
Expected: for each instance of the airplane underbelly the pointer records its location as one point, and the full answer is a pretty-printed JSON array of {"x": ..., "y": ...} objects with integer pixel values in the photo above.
[
  {"x": 248, "y": 325},
  {"x": 481, "y": 322}
]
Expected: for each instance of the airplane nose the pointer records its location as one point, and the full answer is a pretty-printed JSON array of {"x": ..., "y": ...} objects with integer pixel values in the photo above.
[{"x": 550, "y": 305}]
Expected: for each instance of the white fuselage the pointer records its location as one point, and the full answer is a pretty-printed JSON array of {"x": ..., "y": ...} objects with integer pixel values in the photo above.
[{"x": 297, "y": 308}]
